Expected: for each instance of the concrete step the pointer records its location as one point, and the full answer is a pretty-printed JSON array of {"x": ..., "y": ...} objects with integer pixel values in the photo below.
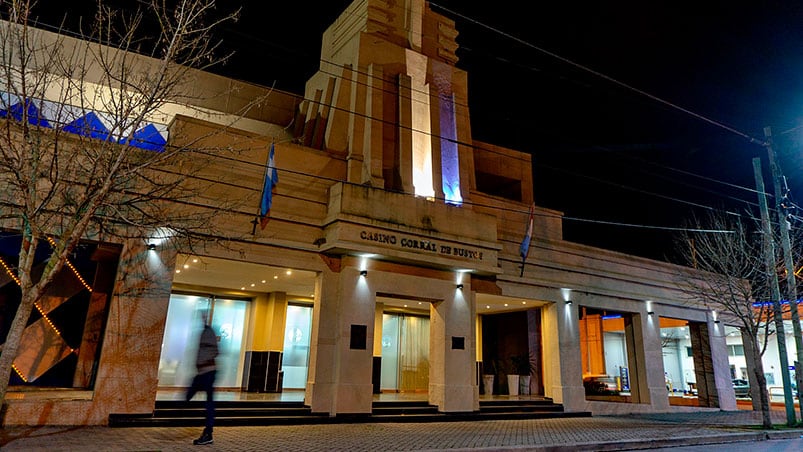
[{"x": 244, "y": 413}]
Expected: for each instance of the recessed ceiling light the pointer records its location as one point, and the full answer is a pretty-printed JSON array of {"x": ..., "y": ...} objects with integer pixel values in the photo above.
[
  {"x": 275, "y": 276},
  {"x": 242, "y": 288},
  {"x": 195, "y": 261},
  {"x": 523, "y": 302},
  {"x": 487, "y": 307},
  {"x": 289, "y": 272},
  {"x": 186, "y": 265},
  {"x": 263, "y": 281},
  {"x": 252, "y": 284},
  {"x": 178, "y": 270},
  {"x": 505, "y": 304}
]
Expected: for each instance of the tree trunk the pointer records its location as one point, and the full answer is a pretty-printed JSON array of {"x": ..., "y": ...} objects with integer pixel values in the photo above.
[
  {"x": 11, "y": 347},
  {"x": 760, "y": 382}
]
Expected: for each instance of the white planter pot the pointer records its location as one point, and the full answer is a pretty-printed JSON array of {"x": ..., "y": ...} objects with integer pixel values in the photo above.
[
  {"x": 524, "y": 384},
  {"x": 488, "y": 384},
  {"x": 513, "y": 384}
]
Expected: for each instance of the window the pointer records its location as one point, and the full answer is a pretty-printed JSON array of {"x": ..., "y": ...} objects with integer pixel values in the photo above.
[
  {"x": 63, "y": 337},
  {"x": 736, "y": 350}
]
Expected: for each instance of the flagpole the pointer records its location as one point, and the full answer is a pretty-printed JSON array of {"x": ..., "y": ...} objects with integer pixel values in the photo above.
[{"x": 255, "y": 221}]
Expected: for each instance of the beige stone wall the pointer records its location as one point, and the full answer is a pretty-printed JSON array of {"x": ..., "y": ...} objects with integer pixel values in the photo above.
[{"x": 127, "y": 373}]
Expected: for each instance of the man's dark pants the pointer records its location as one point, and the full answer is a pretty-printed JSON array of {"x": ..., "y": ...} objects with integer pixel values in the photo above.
[{"x": 205, "y": 382}]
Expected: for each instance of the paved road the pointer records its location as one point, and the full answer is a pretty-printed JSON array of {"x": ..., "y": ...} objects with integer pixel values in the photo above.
[
  {"x": 776, "y": 445},
  {"x": 583, "y": 434}
]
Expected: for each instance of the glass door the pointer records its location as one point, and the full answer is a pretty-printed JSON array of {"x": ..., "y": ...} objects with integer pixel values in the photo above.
[
  {"x": 228, "y": 321},
  {"x": 389, "y": 377},
  {"x": 296, "y": 346},
  {"x": 180, "y": 341},
  {"x": 405, "y": 353}
]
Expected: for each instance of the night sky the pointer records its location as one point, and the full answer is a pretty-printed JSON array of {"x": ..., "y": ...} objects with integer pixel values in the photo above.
[{"x": 613, "y": 99}]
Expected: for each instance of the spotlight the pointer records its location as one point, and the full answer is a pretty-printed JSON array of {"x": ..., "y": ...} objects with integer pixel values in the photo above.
[
  {"x": 460, "y": 286},
  {"x": 151, "y": 246},
  {"x": 363, "y": 272}
]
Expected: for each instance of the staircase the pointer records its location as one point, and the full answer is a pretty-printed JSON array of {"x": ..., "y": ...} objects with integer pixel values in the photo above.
[{"x": 170, "y": 413}]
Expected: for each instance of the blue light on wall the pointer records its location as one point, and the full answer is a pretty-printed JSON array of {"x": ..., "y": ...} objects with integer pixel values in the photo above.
[
  {"x": 450, "y": 162},
  {"x": 611, "y": 316},
  {"x": 770, "y": 303}
]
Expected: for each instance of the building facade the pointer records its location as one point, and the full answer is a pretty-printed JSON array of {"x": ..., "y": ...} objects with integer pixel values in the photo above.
[{"x": 391, "y": 261}]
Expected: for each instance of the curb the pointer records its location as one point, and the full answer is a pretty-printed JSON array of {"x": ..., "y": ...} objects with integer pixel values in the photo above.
[{"x": 656, "y": 443}]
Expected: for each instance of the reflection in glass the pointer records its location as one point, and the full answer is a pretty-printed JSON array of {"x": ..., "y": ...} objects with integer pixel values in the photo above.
[
  {"x": 405, "y": 353},
  {"x": 603, "y": 347},
  {"x": 180, "y": 341},
  {"x": 296, "y": 346}
]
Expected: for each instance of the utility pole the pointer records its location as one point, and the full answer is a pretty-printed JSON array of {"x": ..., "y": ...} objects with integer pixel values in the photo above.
[
  {"x": 772, "y": 277},
  {"x": 786, "y": 243}
]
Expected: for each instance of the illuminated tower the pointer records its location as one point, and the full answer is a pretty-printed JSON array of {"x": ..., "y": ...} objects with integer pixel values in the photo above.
[{"x": 389, "y": 99}]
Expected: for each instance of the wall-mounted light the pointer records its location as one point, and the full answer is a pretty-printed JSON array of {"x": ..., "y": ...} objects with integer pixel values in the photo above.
[
  {"x": 151, "y": 246},
  {"x": 363, "y": 272},
  {"x": 460, "y": 286},
  {"x": 568, "y": 302},
  {"x": 650, "y": 313},
  {"x": 716, "y": 321}
]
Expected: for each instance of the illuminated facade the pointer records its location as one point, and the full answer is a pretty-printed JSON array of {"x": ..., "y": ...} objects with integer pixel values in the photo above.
[{"x": 383, "y": 254}]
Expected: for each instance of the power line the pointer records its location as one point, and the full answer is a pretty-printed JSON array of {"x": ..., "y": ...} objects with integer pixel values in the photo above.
[
  {"x": 489, "y": 150},
  {"x": 261, "y": 167},
  {"x": 357, "y": 71},
  {"x": 606, "y": 77}
]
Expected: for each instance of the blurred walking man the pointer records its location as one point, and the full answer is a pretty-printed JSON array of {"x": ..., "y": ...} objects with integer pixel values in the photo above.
[{"x": 205, "y": 378}]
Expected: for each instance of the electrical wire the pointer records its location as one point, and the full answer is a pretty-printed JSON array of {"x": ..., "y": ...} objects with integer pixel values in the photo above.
[
  {"x": 359, "y": 72},
  {"x": 582, "y": 67},
  {"x": 605, "y": 77}
]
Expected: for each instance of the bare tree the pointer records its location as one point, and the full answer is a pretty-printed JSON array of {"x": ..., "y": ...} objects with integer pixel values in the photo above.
[
  {"x": 728, "y": 252},
  {"x": 65, "y": 179}
]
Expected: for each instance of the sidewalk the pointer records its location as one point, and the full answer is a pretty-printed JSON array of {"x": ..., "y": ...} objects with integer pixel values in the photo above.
[{"x": 573, "y": 434}]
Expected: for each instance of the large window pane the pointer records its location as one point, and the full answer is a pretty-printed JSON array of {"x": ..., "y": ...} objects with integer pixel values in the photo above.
[
  {"x": 180, "y": 341},
  {"x": 296, "y": 346}
]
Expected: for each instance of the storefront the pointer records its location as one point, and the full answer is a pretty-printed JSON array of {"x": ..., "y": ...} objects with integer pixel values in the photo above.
[{"x": 384, "y": 266}]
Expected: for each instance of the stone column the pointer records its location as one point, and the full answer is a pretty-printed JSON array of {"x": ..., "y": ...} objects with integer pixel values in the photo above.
[
  {"x": 711, "y": 367},
  {"x": 721, "y": 367},
  {"x": 404, "y": 159},
  {"x": 342, "y": 336},
  {"x": 653, "y": 385},
  {"x": 132, "y": 341},
  {"x": 452, "y": 374},
  {"x": 321, "y": 378},
  {"x": 563, "y": 372}
]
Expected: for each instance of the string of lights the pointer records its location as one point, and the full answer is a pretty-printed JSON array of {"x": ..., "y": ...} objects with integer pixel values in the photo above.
[{"x": 39, "y": 308}]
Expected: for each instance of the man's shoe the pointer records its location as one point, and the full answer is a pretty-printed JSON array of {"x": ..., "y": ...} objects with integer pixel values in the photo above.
[{"x": 205, "y": 438}]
